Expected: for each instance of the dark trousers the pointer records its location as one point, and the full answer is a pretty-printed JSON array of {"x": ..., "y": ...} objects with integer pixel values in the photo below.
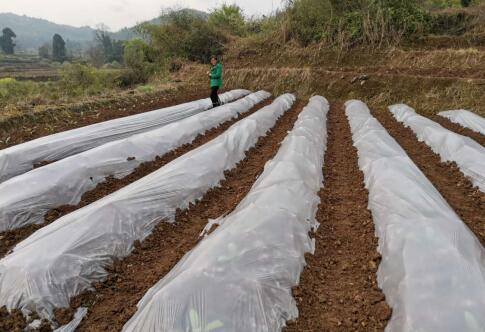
[{"x": 215, "y": 97}]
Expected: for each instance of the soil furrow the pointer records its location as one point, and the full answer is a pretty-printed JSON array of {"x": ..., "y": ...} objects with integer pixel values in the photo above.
[
  {"x": 463, "y": 197},
  {"x": 477, "y": 137},
  {"x": 114, "y": 301},
  {"x": 338, "y": 289},
  {"x": 11, "y": 238}
]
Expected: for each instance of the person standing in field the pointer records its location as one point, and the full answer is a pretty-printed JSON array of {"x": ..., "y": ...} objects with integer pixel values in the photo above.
[{"x": 215, "y": 75}]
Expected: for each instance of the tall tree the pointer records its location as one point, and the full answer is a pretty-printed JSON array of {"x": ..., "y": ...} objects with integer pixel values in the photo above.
[
  {"x": 104, "y": 41},
  {"x": 6, "y": 41},
  {"x": 112, "y": 49},
  {"x": 58, "y": 48}
]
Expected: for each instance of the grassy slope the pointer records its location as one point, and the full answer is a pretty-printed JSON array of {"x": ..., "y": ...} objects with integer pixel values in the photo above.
[
  {"x": 433, "y": 73},
  {"x": 430, "y": 79}
]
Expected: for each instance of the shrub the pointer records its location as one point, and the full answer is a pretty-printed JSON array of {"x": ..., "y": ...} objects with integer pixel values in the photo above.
[
  {"x": 307, "y": 20},
  {"x": 185, "y": 35},
  {"x": 10, "y": 87},
  {"x": 453, "y": 23},
  {"x": 229, "y": 18},
  {"x": 128, "y": 78},
  {"x": 145, "y": 89},
  {"x": 13, "y": 91},
  {"x": 44, "y": 51},
  {"x": 78, "y": 79},
  {"x": 354, "y": 22},
  {"x": 201, "y": 42},
  {"x": 136, "y": 57}
]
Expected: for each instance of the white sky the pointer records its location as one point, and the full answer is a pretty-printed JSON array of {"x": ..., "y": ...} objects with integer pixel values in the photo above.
[{"x": 119, "y": 13}]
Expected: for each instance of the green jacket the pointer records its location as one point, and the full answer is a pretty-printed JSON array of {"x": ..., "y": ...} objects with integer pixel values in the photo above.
[{"x": 216, "y": 75}]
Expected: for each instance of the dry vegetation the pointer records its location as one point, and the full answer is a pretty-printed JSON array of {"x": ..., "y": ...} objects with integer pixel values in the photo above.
[{"x": 440, "y": 65}]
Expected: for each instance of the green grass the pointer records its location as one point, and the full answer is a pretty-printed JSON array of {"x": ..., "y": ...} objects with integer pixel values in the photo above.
[{"x": 145, "y": 88}]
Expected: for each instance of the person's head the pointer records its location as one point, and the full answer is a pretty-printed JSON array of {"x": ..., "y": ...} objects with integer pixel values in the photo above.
[{"x": 213, "y": 60}]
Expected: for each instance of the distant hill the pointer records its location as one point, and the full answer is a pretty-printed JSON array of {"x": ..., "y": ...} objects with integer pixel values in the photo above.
[{"x": 34, "y": 32}]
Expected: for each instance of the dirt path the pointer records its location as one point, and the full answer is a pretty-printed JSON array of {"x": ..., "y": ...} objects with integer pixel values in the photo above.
[
  {"x": 29, "y": 127},
  {"x": 467, "y": 201},
  {"x": 338, "y": 289},
  {"x": 479, "y": 138},
  {"x": 9, "y": 239},
  {"x": 114, "y": 301}
]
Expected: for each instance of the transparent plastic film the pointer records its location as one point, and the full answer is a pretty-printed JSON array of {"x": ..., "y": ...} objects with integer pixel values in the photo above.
[
  {"x": 21, "y": 158},
  {"x": 468, "y": 154},
  {"x": 66, "y": 257},
  {"x": 433, "y": 267},
  {"x": 239, "y": 278},
  {"x": 26, "y": 198},
  {"x": 466, "y": 119}
]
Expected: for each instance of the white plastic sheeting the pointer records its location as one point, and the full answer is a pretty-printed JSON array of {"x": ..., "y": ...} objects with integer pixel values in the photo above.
[
  {"x": 433, "y": 268},
  {"x": 239, "y": 278},
  {"x": 64, "y": 258},
  {"x": 21, "y": 158},
  {"x": 26, "y": 198},
  {"x": 468, "y": 154},
  {"x": 466, "y": 119}
]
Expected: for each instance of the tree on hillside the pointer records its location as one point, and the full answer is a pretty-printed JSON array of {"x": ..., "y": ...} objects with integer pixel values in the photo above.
[
  {"x": 112, "y": 49},
  {"x": 6, "y": 41},
  {"x": 58, "y": 48},
  {"x": 183, "y": 34},
  {"x": 466, "y": 3},
  {"x": 137, "y": 59},
  {"x": 104, "y": 41},
  {"x": 229, "y": 18}
]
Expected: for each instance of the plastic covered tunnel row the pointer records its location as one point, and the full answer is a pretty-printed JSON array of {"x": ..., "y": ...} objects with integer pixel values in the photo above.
[
  {"x": 26, "y": 198},
  {"x": 239, "y": 278},
  {"x": 21, "y": 158},
  {"x": 66, "y": 257},
  {"x": 433, "y": 268},
  {"x": 468, "y": 154},
  {"x": 466, "y": 119}
]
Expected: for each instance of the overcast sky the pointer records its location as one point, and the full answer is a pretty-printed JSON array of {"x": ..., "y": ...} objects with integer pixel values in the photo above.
[{"x": 118, "y": 13}]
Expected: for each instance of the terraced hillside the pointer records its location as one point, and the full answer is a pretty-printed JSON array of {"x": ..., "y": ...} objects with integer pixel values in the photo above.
[{"x": 27, "y": 67}]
